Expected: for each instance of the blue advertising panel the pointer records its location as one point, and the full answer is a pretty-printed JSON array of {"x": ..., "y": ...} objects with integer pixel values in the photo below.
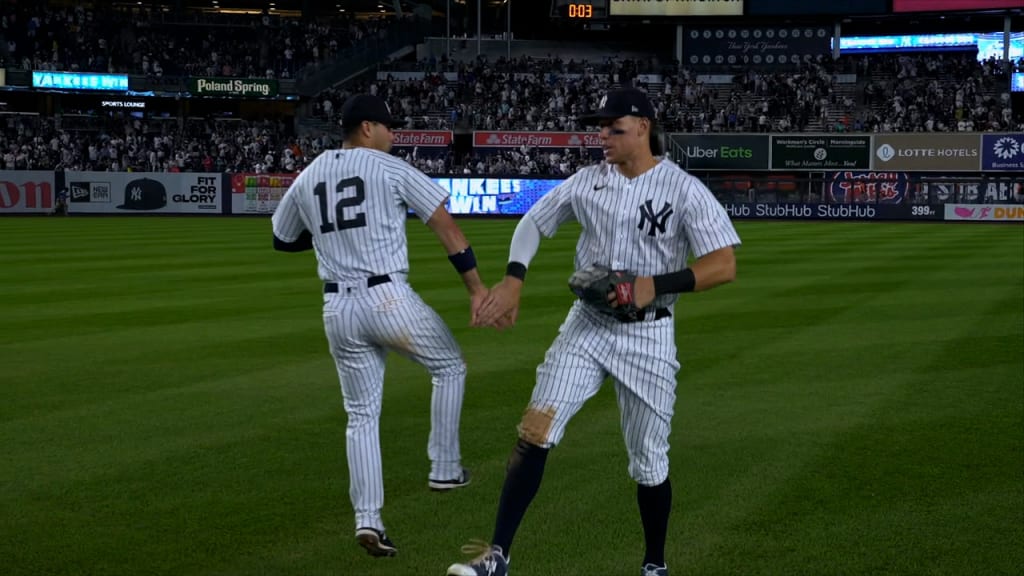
[
  {"x": 494, "y": 195},
  {"x": 79, "y": 81},
  {"x": 1002, "y": 152},
  {"x": 1017, "y": 85}
]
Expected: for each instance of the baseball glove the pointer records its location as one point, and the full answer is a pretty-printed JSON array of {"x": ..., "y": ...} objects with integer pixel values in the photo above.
[{"x": 594, "y": 284}]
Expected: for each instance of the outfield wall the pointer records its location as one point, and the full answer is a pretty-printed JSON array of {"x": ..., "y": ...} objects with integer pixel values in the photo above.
[{"x": 839, "y": 196}]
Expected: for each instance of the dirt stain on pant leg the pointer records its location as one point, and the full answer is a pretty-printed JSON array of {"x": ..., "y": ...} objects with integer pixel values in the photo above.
[
  {"x": 401, "y": 344},
  {"x": 536, "y": 424}
]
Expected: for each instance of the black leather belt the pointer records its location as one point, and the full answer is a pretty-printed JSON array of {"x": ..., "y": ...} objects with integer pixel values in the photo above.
[
  {"x": 332, "y": 287},
  {"x": 659, "y": 313}
]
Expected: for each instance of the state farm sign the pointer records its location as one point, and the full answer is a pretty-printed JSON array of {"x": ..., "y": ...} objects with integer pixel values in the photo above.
[
  {"x": 26, "y": 191},
  {"x": 423, "y": 138},
  {"x": 536, "y": 139}
]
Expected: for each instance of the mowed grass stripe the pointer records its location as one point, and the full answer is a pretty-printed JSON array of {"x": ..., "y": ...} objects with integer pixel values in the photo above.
[{"x": 850, "y": 406}]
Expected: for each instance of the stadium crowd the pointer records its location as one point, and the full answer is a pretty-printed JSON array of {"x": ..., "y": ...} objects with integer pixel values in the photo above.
[
  {"x": 933, "y": 92},
  {"x": 129, "y": 144},
  {"x": 151, "y": 42},
  {"x": 905, "y": 93}
]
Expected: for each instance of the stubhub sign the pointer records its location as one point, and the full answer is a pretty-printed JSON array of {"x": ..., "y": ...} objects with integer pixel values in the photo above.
[{"x": 79, "y": 81}]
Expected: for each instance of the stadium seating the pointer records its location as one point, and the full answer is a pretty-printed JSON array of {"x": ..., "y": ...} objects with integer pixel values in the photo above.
[
  {"x": 877, "y": 93},
  {"x": 165, "y": 44}
]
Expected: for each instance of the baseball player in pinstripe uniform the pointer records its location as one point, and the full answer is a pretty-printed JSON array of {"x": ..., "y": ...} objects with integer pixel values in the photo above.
[
  {"x": 641, "y": 217},
  {"x": 351, "y": 206}
]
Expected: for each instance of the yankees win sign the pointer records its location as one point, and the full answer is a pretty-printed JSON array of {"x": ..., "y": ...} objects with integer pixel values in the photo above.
[{"x": 126, "y": 192}]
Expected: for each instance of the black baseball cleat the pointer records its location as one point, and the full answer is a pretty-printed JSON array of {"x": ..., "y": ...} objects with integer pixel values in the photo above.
[
  {"x": 377, "y": 543},
  {"x": 490, "y": 562},
  {"x": 443, "y": 485},
  {"x": 654, "y": 570}
]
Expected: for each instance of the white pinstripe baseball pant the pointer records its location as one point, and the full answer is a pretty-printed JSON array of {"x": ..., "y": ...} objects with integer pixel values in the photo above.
[
  {"x": 362, "y": 324},
  {"x": 641, "y": 359}
]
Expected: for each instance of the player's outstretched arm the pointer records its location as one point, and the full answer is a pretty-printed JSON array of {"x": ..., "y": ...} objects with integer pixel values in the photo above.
[
  {"x": 713, "y": 269},
  {"x": 460, "y": 254},
  {"x": 501, "y": 308}
]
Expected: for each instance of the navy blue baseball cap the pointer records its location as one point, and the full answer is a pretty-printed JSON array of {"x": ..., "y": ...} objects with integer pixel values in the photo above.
[
  {"x": 368, "y": 108},
  {"x": 619, "y": 103}
]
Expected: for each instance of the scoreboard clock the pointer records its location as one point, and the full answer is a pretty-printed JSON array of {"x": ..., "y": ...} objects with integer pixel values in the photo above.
[{"x": 580, "y": 10}]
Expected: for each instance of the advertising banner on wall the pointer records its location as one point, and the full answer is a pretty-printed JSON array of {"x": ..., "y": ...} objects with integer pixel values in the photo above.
[
  {"x": 1002, "y": 152},
  {"x": 675, "y": 7},
  {"x": 942, "y": 188},
  {"x": 852, "y": 187},
  {"x": 985, "y": 212},
  {"x": 494, "y": 195},
  {"x": 141, "y": 193},
  {"x": 785, "y": 211},
  {"x": 493, "y": 139},
  {"x": 723, "y": 152},
  {"x": 79, "y": 81},
  {"x": 26, "y": 191},
  {"x": 821, "y": 152},
  {"x": 259, "y": 87},
  {"x": 422, "y": 138},
  {"x": 741, "y": 45},
  {"x": 258, "y": 193},
  {"x": 927, "y": 152}
]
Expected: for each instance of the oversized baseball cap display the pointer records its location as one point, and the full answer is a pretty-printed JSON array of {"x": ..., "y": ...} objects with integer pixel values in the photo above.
[
  {"x": 144, "y": 194},
  {"x": 619, "y": 103},
  {"x": 368, "y": 108}
]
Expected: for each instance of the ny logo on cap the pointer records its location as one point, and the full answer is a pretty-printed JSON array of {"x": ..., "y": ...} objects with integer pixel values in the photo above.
[{"x": 136, "y": 194}]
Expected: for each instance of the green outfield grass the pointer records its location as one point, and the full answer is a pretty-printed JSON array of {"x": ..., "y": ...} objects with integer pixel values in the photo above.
[{"x": 853, "y": 404}]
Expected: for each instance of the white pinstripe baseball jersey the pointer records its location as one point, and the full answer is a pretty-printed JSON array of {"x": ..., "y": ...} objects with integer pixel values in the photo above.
[
  {"x": 366, "y": 195},
  {"x": 647, "y": 225}
]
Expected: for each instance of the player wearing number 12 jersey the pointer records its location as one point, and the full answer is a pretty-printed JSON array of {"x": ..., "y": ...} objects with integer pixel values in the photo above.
[{"x": 350, "y": 205}]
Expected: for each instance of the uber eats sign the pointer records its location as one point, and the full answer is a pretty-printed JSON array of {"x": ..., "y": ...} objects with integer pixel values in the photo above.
[
  {"x": 244, "y": 87},
  {"x": 723, "y": 152}
]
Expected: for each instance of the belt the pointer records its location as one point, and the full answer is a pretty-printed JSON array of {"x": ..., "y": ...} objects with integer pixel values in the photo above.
[
  {"x": 659, "y": 313},
  {"x": 332, "y": 287}
]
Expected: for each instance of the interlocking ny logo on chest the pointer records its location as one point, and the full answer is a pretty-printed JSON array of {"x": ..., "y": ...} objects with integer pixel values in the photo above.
[{"x": 654, "y": 221}]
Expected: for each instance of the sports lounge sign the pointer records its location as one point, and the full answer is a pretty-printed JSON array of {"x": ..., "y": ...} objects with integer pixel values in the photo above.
[{"x": 926, "y": 152}]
